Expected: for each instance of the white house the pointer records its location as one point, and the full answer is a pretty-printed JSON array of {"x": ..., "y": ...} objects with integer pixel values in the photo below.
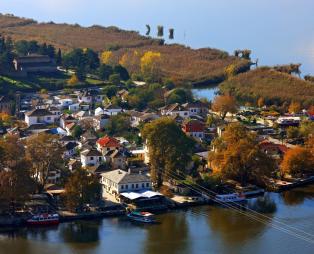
[
  {"x": 99, "y": 122},
  {"x": 119, "y": 181},
  {"x": 65, "y": 103},
  {"x": 90, "y": 96},
  {"x": 196, "y": 108},
  {"x": 74, "y": 107},
  {"x": 175, "y": 109},
  {"x": 112, "y": 110},
  {"x": 99, "y": 111},
  {"x": 40, "y": 115},
  {"x": 91, "y": 157}
]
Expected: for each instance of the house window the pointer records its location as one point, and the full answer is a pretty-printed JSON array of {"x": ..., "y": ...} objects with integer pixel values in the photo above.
[
  {"x": 132, "y": 186},
  {"x": 122, "y": 187},
  {"x": 91, "y": 158},
  {"x": 143, "y": 185},
  {"x": 99, "y": 159},
  {"x": 136, "y": 186},
  {"x": 126, "y": 186},
  {"x": 147, "y": 184},
  {"x": 48, "y": 118}
]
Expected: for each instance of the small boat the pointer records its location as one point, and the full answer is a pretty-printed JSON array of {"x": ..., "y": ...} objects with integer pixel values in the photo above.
[
  {"x": 230, "y": 198},
  {"x": 44, "y": 219},
  {"x": 143, "y": 217}
]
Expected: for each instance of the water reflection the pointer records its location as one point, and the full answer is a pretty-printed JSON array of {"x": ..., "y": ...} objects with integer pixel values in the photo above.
[
  {"x": 264, "y": 204},
  {"x": 81, "y": 232},
  {"x": 297, "y": 196},
  {"x": 234, "y": 228},
  {"x": 172, "y": 233}
]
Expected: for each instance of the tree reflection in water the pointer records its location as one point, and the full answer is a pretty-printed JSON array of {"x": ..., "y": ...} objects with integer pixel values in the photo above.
[
  {"x": 172, "y": 233},
  {"x": 234, "y": 228},
  {"x": 81, "y": 233},
  {"x": 297, "y": 196}
]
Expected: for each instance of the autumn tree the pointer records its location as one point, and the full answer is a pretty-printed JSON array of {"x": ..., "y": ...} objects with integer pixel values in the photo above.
[
  {"x": 260, "y": 102},
  {"x": 297, "y": 161},
  {"x": 170, "y": 150},
  {"x": 237, "y": 156},
  {"x": 150, "y": 66},
  {"x": 73, "y": 80},
  {"x": 45, "y": 154},
  {"x": 224, "y": 104},
  {"x": 106, "y": 57},
  {"x": 294, "y": 107},
  {"x": 81, "y": 188},
  {"x": 310, "y": 111}
]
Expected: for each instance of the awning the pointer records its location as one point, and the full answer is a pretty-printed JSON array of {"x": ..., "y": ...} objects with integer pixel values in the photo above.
[{"x": 143, "y": 194}]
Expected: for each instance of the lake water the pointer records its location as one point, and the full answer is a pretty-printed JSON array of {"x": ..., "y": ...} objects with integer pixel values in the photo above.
[
  {"x": 208, "y": 93},
  {"x": 278, "y": 32},
  {"x": 206, "y": 229}
]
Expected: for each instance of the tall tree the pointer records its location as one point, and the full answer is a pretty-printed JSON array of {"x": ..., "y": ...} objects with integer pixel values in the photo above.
[
  {"x": 297, "y": 161},
  {"x": 237, "y": 156},
  {"x": 224, "y": 104},
  {"x": 150, "y": 66},
  {"x": 45, "y": 154},
  {"x": 81, "y": 188},
  {"x": 170, "y": 150}
]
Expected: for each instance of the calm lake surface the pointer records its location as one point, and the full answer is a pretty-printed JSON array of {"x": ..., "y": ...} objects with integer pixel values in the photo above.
[
  {"x": 278, "y": 32},
  {"x": 206, "y": 229}
]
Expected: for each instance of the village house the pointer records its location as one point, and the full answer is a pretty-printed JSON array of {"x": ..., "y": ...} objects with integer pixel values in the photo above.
[
  {"x": 100, "y": 121},
  {"x": 175, "y": 109},
  {"x": 119, "y": 181},
  {"x": 6, "y": 105},
  {"x": 196, "y": 108},
  {"x": 69, "y": 150},
  {"x": 89, "y": 136},
  {"x": 107, "y": 143},
  {"x": 112, "y": 110},
  {"x": 194, "y": 128},
  {"x": 91, "y": 158},
  {"x": 74, "y": 107},
  {"x": 25, "y": 65},
  {"x": 140, "y": 117},
  {"x": 66, "y": 119},
  {"x": 116, "y": 159},
  {"x": 90, "y": 97},
  {"x": 40, "y": 115}
]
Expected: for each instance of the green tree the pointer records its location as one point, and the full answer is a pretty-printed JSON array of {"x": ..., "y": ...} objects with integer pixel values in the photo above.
[
  {"x": 77, "y": 131},
  {"x": 123, "y": 72},
  {"x": 115, "y": 79},
  {"x": 170, "y": 150},
  {"x": 105, "y": 71}
]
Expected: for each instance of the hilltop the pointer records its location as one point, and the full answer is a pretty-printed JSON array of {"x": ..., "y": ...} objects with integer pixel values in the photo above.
[
  {"x": 273, "y": 86},
  {"x": 181, "y": 63}
]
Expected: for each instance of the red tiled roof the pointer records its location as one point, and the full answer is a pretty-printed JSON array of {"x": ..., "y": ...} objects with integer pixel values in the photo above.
[
  {"x": 193, "y": 126},
  {"x": 268, "y": 145},
  {"x": 108, "y": 142}
]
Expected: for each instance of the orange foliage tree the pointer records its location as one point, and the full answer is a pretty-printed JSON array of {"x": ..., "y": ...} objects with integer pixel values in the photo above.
[
  {"x": 297, "y": 161},
  {"x": 224, "y": 104},
  {"x": 294, "y": 107}
]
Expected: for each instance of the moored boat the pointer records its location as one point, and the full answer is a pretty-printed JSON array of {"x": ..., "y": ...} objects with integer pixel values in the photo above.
[
  {"x": 230, "y": 198},
  {"x": 143, "y": 217},
  {"x": 44, "y": 219}
]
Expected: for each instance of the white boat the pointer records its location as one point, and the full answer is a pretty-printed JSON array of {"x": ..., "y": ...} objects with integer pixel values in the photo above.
[
  {"x": 44, "y": 219},
  {"x": 230, "y": 198}
]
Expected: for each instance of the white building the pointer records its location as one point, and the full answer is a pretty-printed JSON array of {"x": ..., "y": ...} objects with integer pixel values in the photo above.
[
  {"x": 40, "y": 115},
  {"x": 175, "y": 109},
  {"x": 91, "y": 158},
  {"x": 118, "y": 181}
]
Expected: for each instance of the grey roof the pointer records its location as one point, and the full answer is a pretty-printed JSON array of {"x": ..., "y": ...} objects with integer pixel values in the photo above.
[
  {"x": 39, "y": 112},
  {"x": 122, "y": 177},
  {"x": 92, "y": 152}
]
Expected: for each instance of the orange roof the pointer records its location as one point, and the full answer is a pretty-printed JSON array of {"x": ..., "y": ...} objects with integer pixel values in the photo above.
[{"x": 108, "y": 142}]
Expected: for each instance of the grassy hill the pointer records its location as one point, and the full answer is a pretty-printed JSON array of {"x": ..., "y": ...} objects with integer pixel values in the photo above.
[
  {"x": 272, "y": 85},
  {"x": 180, "y": 63}
]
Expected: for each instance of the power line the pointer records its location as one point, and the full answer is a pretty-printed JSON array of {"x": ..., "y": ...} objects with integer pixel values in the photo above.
[{"x": 251, "y": 216}]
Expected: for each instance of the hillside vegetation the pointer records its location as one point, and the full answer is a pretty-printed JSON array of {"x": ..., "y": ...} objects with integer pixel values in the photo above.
[
  {"x": 273, "y": 86},
  {"x": 180, "y": 63}
]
